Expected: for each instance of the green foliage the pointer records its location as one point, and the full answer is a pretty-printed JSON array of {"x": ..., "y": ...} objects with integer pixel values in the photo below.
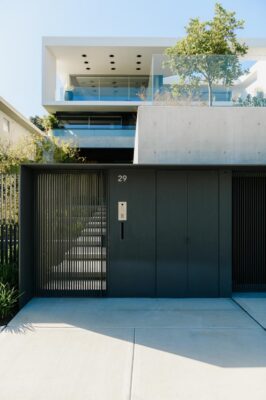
[
  {"x": 8, "y": 300},
  {"x": 9, "y": 274},
  {"x": 49, "y": 122},
  {"x": 37, "y": 121},
  {"x": 208, "y": 54},
  {"x": 251, "y": 101},
  {"x": 38, "y": 148},
  {"x": 13, "y": 155}
]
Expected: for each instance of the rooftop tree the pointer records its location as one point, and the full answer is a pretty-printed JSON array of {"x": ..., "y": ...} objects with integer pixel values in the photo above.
[{"x": 209, "y": 53}]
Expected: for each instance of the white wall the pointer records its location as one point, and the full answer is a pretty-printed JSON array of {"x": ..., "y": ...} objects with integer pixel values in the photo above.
[
  {"x": 200, "y": 135},
  {"x": 17, "y": 137},
  {"x": 49, "y": 76}
]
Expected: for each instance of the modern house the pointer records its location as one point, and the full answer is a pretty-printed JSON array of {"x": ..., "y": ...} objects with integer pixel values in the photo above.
[
  {"x": 186, "y": 219},
  {"x": 95, "y": 85}
]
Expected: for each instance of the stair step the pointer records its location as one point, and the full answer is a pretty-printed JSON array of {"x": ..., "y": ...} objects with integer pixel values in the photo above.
[
  {"x": 88, "y": 254},
  {"x": 94, "y": 232},
  {"x": 78, "y": 276},
  {"x": 95, "y": 224},
  {"x": 81, "y": 266},
  {"x": 91, "y": 285},
  {"x": 98, "y": 219},
  {"x": 89, "y": 240}
]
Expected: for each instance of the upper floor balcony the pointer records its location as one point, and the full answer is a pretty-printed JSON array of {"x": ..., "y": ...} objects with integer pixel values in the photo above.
[
  {"x": 209, "y": 80},
  {"x": 91, "y": 73},
  {"x": 95, "y": 88},
  {"x": 119, "y": 74}
]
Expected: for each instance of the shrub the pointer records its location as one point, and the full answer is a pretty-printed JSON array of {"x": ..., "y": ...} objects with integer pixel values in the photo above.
[
  {"x": 9, "y": 274},
  {"x": 8, "y": 300}
]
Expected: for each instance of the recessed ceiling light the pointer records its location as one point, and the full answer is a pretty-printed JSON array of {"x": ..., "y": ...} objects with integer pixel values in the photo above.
[
  {"x": 113, "y": 69},
  {"x": 86, "y": 62},
  {"x": 138, "y": 62},
  {"x": 88, "y": 68},
  {"x": 138, "y": 69},
  {"x": 111, "y": 55},
  {"x": 84, "y": 55},
  {"x": 139, "y": 55}
]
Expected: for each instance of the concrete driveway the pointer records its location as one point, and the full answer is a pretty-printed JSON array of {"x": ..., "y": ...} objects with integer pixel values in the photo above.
[{"x": 139, "y": 349}]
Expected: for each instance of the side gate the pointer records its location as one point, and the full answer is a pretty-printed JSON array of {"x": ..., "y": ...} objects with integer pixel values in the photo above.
[
  {"x": 70, "y": 233},
  {"x": 249, "y": 231}
]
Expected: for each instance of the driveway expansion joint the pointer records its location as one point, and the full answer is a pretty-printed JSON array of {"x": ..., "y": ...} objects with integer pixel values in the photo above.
[{"x": 246, "y": 312}]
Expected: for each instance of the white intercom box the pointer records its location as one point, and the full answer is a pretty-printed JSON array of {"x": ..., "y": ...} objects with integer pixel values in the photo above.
[{"x": 122, "y": 211}]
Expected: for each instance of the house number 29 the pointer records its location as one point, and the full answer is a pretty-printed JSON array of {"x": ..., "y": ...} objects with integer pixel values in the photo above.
[{"x": 121, "y": 178}]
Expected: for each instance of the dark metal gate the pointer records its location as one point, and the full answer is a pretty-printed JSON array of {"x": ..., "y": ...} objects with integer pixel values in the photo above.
[
  {"x": 249, "y": 229},
  {"x": 70, "y": 233}
]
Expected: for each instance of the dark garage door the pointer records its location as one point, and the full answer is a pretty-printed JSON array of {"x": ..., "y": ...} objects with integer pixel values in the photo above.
[
  {"x": 168, "y": 246},
  {"x": 187, "y": 233},
  {"x": 132, "y": 269}
]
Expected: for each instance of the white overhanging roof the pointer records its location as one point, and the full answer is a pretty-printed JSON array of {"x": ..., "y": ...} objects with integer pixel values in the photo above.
[{"x": 106, "y": 56}]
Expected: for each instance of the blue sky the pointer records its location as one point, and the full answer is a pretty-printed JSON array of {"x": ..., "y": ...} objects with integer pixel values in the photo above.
[{"x": 23, "y": 23}]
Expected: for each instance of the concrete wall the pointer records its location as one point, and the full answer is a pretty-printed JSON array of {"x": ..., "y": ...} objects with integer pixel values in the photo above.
[{"x": 200, "y": 135}]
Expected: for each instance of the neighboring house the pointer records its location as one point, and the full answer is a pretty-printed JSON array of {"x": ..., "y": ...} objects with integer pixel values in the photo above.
[{"x": 15, "y": 129}]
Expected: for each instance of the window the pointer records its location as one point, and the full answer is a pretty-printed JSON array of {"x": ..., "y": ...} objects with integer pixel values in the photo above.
[{"x": 6, "y": 125}]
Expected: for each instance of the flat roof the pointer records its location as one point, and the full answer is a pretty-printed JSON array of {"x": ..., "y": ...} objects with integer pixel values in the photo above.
[{"x": 111, "y": 56}]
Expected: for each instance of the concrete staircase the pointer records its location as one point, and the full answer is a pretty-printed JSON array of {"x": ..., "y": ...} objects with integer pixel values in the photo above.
[{"x": 84, "y": 265}]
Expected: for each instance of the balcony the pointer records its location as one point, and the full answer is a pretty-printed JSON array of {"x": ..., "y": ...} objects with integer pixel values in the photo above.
[
  {"x": 209, "y": 80},
  {"x": 101, "y": 136},
  {"x": 104, "y": 88}
]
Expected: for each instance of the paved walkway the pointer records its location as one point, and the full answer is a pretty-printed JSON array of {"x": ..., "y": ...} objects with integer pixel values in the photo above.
[
  {"x": 139, "y": 349},
  {"x": 254, "y": 304}
]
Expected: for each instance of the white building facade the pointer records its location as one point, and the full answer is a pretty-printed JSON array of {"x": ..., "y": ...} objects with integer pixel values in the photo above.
[{"x": 95, "y": 86}]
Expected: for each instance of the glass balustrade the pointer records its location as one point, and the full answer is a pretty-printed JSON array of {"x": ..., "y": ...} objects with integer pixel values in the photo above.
[
  {"x": 208, "y": 80},
  {"x": 97, "y": 136},
  {"x": 112, "y": 88},
  {"x": 215, "y": 80}
]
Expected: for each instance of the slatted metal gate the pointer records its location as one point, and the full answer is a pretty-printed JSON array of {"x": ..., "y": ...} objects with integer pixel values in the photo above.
[
  {"x": 70, "y": 236},
  {"x": 249, "y": 231}
]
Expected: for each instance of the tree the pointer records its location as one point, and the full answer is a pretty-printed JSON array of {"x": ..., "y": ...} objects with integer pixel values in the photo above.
[
  {"x": 209, "y": 54},
  {"x": 37, "y": 121}
]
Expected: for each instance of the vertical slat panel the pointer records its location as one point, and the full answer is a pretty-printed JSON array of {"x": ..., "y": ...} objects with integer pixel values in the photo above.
[
  {"x": 70, "y": 225},
  {"x": 249, "y": 228}
]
